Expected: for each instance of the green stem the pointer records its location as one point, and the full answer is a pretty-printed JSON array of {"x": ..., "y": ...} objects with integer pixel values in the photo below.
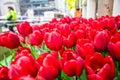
[
  {"x": 76, "y": 78},
  {"x": 103, "y": 53},
  {"x": 117, "y": 70},
  {"x": 59, "y": 56},
  {"x": 59, "y": 77},
  {"x": 73, "y": 48}
]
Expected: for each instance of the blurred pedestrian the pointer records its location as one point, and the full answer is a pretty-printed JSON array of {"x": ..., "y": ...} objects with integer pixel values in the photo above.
[
  {"x": 78, "y": 12},
  {"x": 11, "y": 17}
]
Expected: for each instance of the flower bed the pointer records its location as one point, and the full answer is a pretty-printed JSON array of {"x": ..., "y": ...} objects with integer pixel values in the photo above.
[{"x": 65, "y": 49}]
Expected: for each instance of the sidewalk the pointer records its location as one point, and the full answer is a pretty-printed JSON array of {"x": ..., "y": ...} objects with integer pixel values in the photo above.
[{"x": 4, "y": 29}]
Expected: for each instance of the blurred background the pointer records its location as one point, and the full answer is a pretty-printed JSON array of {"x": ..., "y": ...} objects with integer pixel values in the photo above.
[{"x": 41, "y": 10}]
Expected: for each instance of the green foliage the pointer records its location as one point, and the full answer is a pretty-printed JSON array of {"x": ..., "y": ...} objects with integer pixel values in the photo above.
[{"x": 63, "y": 76}]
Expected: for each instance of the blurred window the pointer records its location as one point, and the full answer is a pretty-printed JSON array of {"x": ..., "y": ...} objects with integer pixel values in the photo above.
[{"x": 38, "y": 12}]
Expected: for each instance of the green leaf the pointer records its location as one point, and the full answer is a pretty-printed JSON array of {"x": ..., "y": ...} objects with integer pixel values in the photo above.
[
  {"x": 84, "y": 75},
  {"x": 23, "y": 44},
  {"x": 45, "y": 48},
  {"x": 11, "y": 51},
  {"x": 6, "y": 61},
  {"x": 34, "y": 51},
  {"x": 65, "y": 77},
  {"x": 105, "y": 53}
]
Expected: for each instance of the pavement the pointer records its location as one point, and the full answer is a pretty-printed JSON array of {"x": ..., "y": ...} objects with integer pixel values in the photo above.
[{"x": 4, "y": 29}]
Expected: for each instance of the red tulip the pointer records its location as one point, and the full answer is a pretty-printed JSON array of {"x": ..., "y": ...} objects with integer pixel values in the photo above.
[
  {"x": 4, "y": 73},
  {"x": 44, "y": 28},
  {"x": 111, "y": 24},
  {"x": 101, "y": 40},
  {"x": 28, "y": 77},
  {"x": 90, "y": 33},
  {"x": 51, "y": 60},
  {"x": 41, "y": 78},
  {"x": 114, "y": 46},
  {"x": 65, "y": 19},
  {"x": 118, "y": 24},
  {"x": 41, "y": 58},
  {"x": 94, "y": 77},
  {"x": 23, "y": 51},
  {"x": 53, "y": 40},
  {"x": 35, "y": 38},
  {"x": 50, "y": 69},
  {"x": 23, "y": 66},
  {"x": 100, "y": 68},
  {"x": 54, "y": 20},
  {"x": 22, "y": 39},
  {"x": 68, "y": 55},
  {"x": 117, "y": 18},
  {"x": 47, "y": 73},
  {"x": 24, "y": 28},
  {"x": 104, "y": 22},
  {"x": 96, "y": 25},
  {"x": 79, "y": 33},
  {"x": 108, "y": 23},
  {"x": 1, "y": 34},
  {"x": 72, "y": 65},
  {"x": 65, "y": 29},
  {"x": 84, "y": 47},
  {"x": 74, "y": 23},
  {"x": 69, "y": 41},
  {"x": 36, "y": 27},
  {"x": 9, "y": 40},
  {"x": 61, "y": 51}
]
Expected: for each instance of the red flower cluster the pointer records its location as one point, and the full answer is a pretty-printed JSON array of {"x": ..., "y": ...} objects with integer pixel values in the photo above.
[
  {"x": 9, "y": 40},
  {"x": 100, "y": 68},
  {"x": 68, "y": 45}
]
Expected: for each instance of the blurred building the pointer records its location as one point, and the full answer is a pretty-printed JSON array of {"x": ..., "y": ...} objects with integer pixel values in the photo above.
[
  {"x": 23, "y": 6},
  {"x": 38, "y": 6},
  {"x": 90, "y": 8},
  {"x": 61, "y": 5}
]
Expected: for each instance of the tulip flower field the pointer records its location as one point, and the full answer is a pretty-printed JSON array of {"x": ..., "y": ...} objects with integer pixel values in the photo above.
[{"x": 70, "y": 48}]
